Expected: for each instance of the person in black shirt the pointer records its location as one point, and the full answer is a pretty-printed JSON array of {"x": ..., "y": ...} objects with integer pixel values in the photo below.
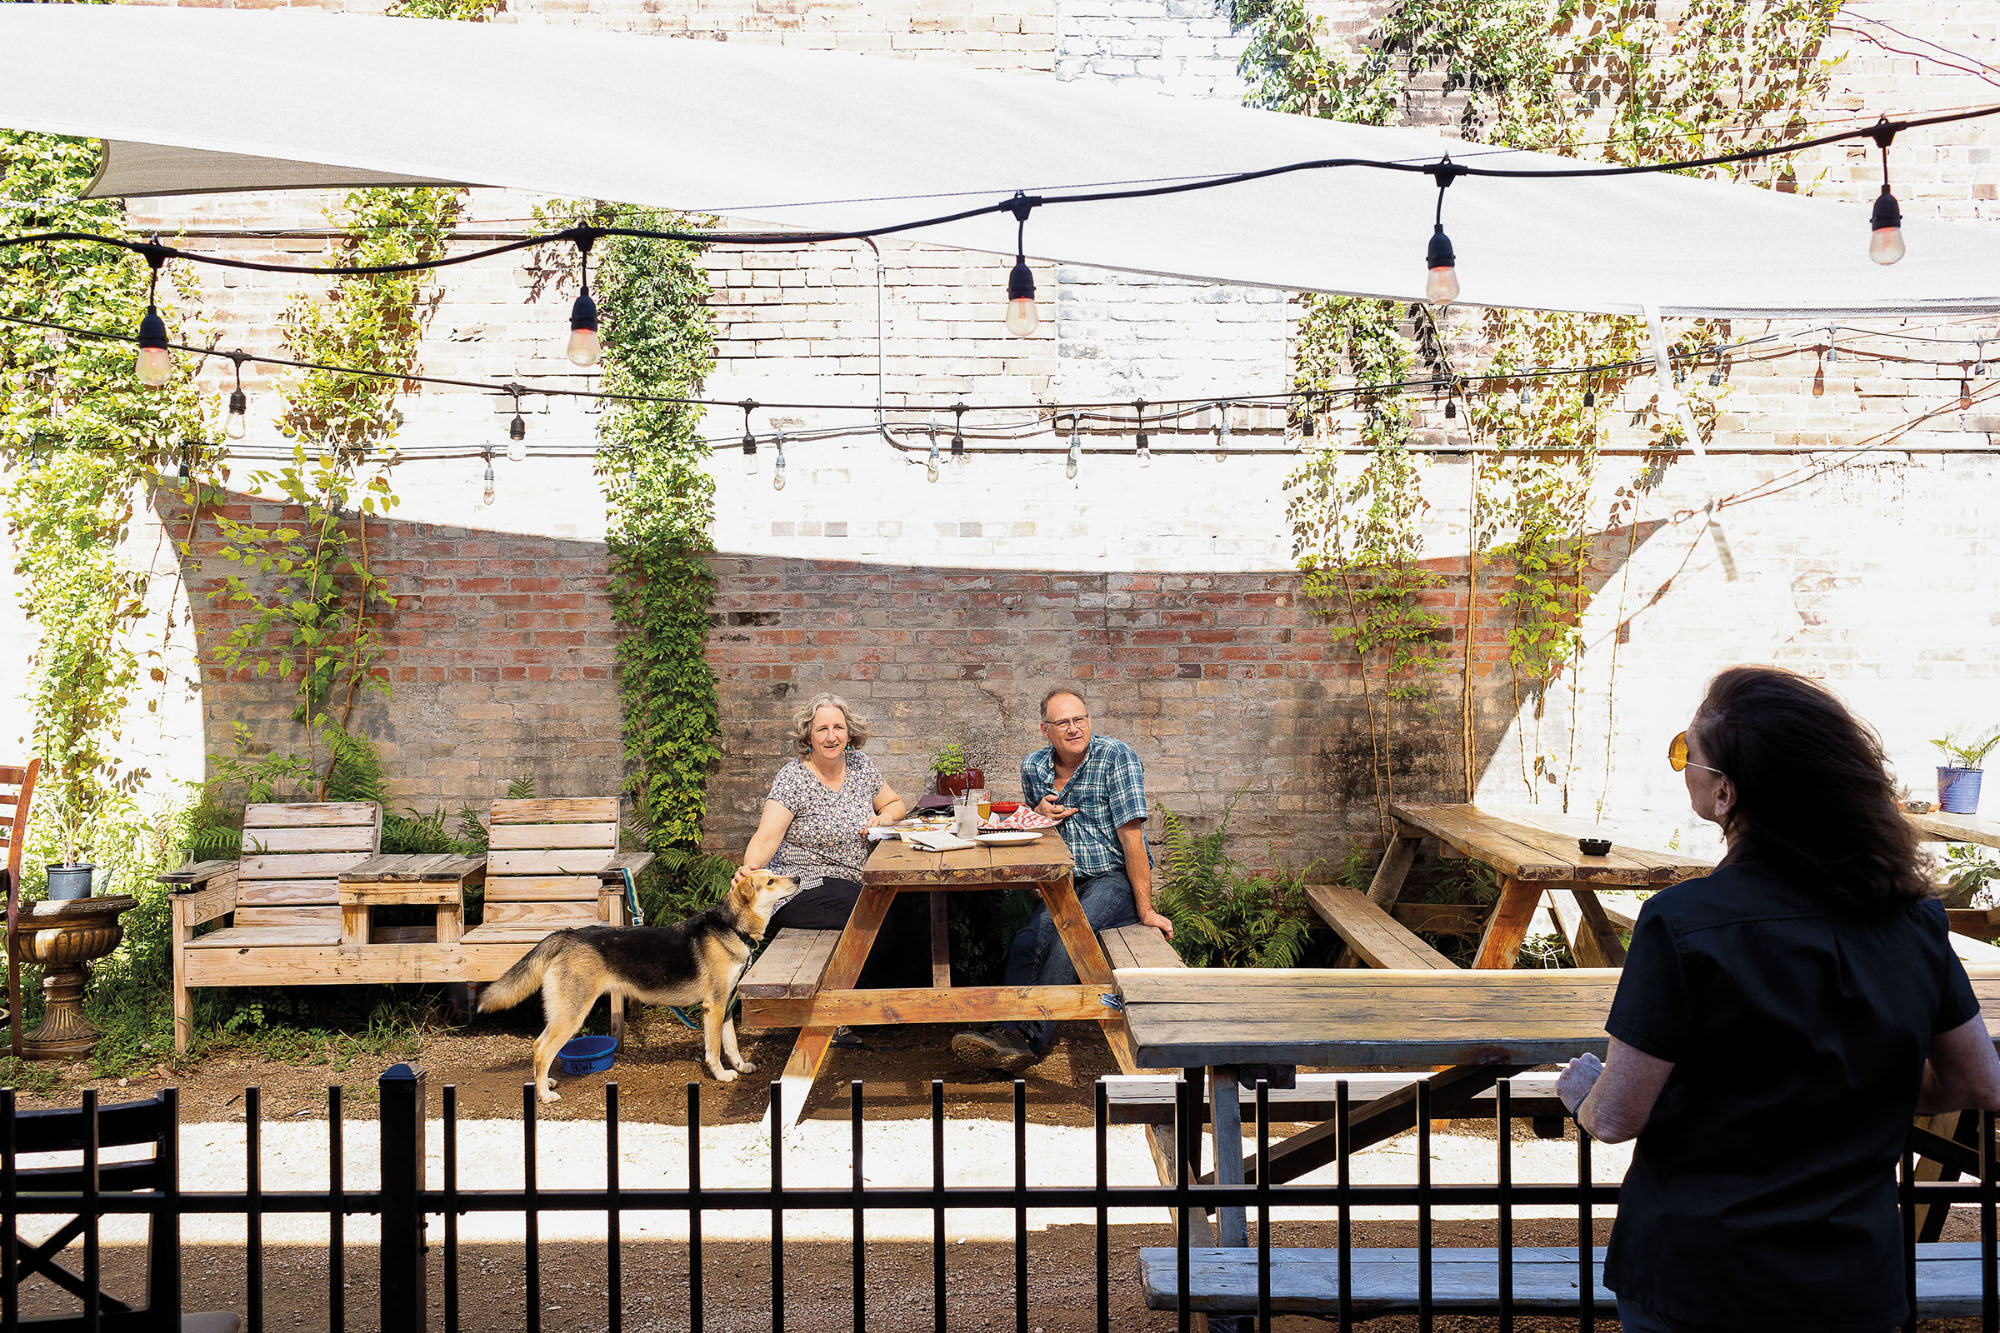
[{"x": 1777, "y": 1024}]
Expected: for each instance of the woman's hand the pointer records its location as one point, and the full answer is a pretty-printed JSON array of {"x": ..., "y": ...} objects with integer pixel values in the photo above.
[{"x": 1578, "y": 1077}]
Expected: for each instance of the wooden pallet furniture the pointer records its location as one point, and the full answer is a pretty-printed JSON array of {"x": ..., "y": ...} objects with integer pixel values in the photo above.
[
  {"x": 142, "y": 1139},
  {"x": 17, "y": 792}
]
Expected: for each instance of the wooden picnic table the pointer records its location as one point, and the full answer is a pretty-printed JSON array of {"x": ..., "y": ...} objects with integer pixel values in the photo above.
[
  {"x": 437, "y": 880},
  {"x": 1531, "y": 860},
  {"x": 895, "y": 867},
  {"x": 1482, "y": 1026}
]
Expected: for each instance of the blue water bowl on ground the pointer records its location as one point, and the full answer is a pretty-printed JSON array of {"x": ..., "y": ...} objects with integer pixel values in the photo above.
[{"x": 588, "y": 1055}]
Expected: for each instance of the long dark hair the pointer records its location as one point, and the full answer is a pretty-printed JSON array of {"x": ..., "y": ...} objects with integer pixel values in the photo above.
[{"x": 1813, "y": 795}]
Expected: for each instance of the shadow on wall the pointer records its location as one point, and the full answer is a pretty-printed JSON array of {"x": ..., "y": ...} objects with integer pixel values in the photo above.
[{"x": 500, "y": 658}]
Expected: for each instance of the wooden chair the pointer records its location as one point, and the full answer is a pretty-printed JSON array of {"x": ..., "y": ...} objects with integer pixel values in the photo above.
[
  {"x": 17, "y": 790},
  {"x": 153, "y": 1125},
  {"x": 282, "y": 894},
  {"x": 550, "y": 864}
]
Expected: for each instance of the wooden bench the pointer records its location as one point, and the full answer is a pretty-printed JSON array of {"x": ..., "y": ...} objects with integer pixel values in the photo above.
[
  {"x": 1375, "y": 936},
  {"x": 778, "y": 990},
  {"x": 1148, "y": 1099},
  {"x": 1463, "y": 1281}
]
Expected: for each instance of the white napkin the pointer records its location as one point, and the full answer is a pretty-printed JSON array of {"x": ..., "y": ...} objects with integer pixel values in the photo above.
[{"x": 938, "y": 841}]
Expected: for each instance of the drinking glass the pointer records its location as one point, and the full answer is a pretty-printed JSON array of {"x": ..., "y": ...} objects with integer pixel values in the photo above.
[{"x": 984, "y": 800}]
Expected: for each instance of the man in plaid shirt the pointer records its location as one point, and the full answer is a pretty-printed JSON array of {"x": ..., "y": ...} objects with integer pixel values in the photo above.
[{"x": 1095, "y": 788}]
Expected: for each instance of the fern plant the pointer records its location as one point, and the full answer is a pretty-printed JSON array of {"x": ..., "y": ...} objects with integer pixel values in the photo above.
[{"x": 1224, "y": 914}]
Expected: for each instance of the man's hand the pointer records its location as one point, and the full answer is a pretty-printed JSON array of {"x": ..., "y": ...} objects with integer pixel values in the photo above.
[
  {"x": 1578, "y": 1077},
  {"x": 1048, "y": 809},
  {"x": 1157, "y": 922}
]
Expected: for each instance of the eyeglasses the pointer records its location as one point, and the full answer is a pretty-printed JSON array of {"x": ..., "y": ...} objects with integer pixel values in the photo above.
[
  {"x": 1677, "y": 757},
  {"x": 1070, "y": 723}
]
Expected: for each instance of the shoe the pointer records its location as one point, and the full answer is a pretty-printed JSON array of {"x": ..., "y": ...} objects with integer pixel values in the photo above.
[{"x": 1000, "y": 1050}]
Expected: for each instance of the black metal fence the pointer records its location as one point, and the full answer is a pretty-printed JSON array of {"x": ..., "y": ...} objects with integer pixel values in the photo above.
[{"x": 406, "y": 1203}]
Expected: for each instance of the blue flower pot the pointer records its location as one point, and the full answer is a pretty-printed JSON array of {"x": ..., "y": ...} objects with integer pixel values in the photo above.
[{"x": 1958, "y": 790}]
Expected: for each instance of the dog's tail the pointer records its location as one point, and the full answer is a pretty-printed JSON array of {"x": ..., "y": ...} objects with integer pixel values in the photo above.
[{"x": 524, "y": 978}]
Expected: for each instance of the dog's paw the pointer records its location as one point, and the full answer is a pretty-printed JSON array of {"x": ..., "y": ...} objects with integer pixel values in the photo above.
[
  {"x": 549, "y": 1094},
  {"x": 745, "y": 1067},
  {"x": 723, "y": 1075}
]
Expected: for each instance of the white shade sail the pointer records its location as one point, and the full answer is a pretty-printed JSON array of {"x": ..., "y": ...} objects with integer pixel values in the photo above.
[{"x": 193, "y": 100}]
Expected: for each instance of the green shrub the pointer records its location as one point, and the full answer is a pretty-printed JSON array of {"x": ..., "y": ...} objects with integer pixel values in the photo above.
[{"x": 1225, "y": 915}]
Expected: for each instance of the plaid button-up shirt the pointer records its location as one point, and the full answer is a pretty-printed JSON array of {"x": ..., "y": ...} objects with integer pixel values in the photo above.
[{"x": 1108, "y": 790}]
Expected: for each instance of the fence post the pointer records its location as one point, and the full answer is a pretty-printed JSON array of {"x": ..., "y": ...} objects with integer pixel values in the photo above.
[{"x": 405, "y": 1281}]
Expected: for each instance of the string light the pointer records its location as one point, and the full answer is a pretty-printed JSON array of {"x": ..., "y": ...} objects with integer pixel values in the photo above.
[
  {"x": 489, "y": 476},
  {"x": 1980, "y": 369},
  {"x": 1309, "y": 422},
  {"x": 237, "y": 423},
  {"x": 1590, "y": 398},
  {"x": 958, "y": 437},
  {"x": 1021, "y": 316},
  {"x": 155, "y": 363},
  {"x": 1075, "y": 447},
  {"x": 1885, "y": 220},
  {"x": 749, "y": 405},
  {"x": 517, "y": 429},
  {"x": 585, "y": 348},
  {"x": 778, "y": 462},
  {"x": 934, "y": 464},
  {"x": 1528, "y": 398},
  {"x": 1221, "y": 431},
  {"x": 1441, "y": 284},
  {"x": 187, "y": 457},
  {"x": 1142, "y": 449},
  {"x": 1832, "y": 347}
]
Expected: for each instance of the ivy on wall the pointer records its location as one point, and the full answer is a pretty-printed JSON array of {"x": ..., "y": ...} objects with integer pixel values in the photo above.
[{"x": 1605, "y": 82}]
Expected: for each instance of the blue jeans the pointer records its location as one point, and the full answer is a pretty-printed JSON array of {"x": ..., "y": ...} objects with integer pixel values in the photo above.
[{"x": 1037, "y": 957}]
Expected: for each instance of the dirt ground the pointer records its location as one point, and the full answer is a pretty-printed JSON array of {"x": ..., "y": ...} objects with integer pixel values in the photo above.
[{"x": 487, "y": 1063}]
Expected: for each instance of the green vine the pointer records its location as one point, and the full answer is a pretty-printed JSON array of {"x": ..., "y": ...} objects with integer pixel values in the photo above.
[
  {"x": 1599, "y": 81},
  {"x": 658, "y": 340}
]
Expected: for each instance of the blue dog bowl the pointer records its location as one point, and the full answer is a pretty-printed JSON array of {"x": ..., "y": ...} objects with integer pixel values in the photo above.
[{"x": 588, "y": 1055}]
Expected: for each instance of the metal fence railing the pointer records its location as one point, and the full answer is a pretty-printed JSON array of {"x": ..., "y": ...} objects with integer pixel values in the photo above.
[{"x": 411, "y": 1212}]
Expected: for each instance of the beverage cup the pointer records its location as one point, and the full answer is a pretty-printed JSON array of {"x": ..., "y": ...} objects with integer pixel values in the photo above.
[
  {"x": 985, "y": 800},
  {"x": 965, "y": 818}
]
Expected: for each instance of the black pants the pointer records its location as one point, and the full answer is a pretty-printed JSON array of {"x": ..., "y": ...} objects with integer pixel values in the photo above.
[{"x": 889, "y": 962}]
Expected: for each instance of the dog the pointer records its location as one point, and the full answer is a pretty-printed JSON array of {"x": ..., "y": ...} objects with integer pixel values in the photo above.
[{"x": 698, "y": 961}]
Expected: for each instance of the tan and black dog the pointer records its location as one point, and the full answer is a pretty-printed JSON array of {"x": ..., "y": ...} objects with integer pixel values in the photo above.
[{"x": 697, "y": 962}]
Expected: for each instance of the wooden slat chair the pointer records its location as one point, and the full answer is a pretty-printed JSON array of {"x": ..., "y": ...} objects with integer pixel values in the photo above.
[
  {"x": 283, "y": 892},
  {"x": 58, "y": 1141},
  {"x": 550, "y": 864},
  {"x": 17, "y": 792}
]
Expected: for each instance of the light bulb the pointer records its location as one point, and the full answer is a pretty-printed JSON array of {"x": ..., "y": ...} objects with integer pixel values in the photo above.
[
  {"x": 585, "y": 347},
  {"x": 1441, "y": 287},
  {"x": 1075, "y": 449},
  {"x": 1144, "y": 451},
  {"x": 778, "y": 468},
  {"x": 517, "y": 450},
  {"x": 517, "y": 429},
  {"x": 1021, "y": 316},
  {"x": 489, "y": 479},
  {"x": 155, "y": 364},
  {"x": 749, "y": 455},
  {"x": 1885, "y": 243},
  {"x": 958, "y": 453},
  {"x": 931, "y": 465},
  {"x": 237, "y": 422},
  {"x": 1451, "y": 409},
  {"x": 1528, "y": 398}
]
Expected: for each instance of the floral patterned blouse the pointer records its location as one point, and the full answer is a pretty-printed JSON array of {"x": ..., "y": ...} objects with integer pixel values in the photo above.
[{"x": 825, "y": 839}]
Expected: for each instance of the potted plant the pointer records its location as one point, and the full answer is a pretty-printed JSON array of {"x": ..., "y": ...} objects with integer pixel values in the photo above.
[
  {"x": 1959, "y": 781},
  {"x": 75, "y": 822},
  {"x": 954, "y": 771}
]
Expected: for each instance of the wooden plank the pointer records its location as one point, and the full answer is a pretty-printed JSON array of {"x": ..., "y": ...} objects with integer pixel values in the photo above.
[
  {"x": 1484, "y": 839},
  {"x": 1557, "y": 831},
  {"x": 315, "y": 838},
  {"x": 288, "y": 892},
  {"x": 1371, "y": 932},
  {"x": 275, "y": 934},
  {"x": 302, "y": 865},
  {"x": 13, "y": 774},
  {"x": 957, "y": 1004},
  {"x": 843, "y": 969},
  {"x": 308, "y": 813},
  {"x": 771, "y": 974},
  {"x": 1073, "y": 932},
  {"x": 1508, "y": 926},
  {"x": 504, "y": 836},
  {"x": 566, "y": 861},
  {"x": 1609, "y": 947},
  {"x": 216, "y": 897},
  {"x": 1147, "y": 946},
  {"x": 518, "y": 932},
  {"x": 543, "y": 888},
  {"x": 1586, "y": 944},
  {"x": 940, "y": 940},
  {"x": 1387, "y": 885},
  {"x": 813, "y": 966},
  {"x": 558, "y": 810},
  {"x": 902, "y": 864},
  {"x": 426, "y": 894},
  {"x": 623, "y": 861},
  {"x": 550, "y": 914},
  {"x": 197, "y": 872},
  {"x": 409, "y": 869},
  {"x": 1981, "y": 923},
  {"x": 1137, "y": 1099},
  {"x": 1380, "y": 1119},
  {"x": 1940, "y": 827},
  {"x": 1223, "y": 1280}
]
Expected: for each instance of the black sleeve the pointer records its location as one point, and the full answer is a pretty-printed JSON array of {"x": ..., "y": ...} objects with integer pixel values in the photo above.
[
  {"x": 1651, "y": 1010},
  {"x": 1956, "y": 1002}
]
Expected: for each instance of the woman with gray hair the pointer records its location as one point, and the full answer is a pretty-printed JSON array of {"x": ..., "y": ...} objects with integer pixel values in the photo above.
[{"x": 816, "y": 818}]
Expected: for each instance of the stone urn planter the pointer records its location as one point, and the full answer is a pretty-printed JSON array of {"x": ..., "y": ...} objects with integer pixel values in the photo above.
[{"x": 64, "y": 937}]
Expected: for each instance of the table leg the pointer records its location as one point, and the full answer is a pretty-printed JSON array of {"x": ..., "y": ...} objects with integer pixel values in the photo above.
[
  {"x": 1508, "y": 925},
  {"x": 1387, "y": 886},
  {"x": 940, "y": 938},
  {"x": 864, "y": 923},
  {"x": 1086, "y": 954},
  {"x": 1580, "y": 917},
  {"x": 1225, "y": 1111}
]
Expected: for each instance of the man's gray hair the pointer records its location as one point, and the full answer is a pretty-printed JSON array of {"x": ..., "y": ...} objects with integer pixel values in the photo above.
[
  {"x": 1058, "y": 692},
  {"x": 802, "y": 723}
]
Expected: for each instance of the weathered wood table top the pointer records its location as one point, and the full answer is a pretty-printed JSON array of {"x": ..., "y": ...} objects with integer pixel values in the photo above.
[
  {"x": 412, "y": 869},
  {"x": 1189, "y": 1018},
  {"x": 1941, "y": 827},
  {"x": 1527, "y": 852},
  {"x": 988, "y": 866}
]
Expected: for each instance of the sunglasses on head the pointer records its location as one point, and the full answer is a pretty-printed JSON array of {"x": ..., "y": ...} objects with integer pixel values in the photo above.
[{"x": 1677, "y": 756}]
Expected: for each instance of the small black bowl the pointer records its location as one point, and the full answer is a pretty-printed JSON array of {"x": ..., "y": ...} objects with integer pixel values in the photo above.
[{"x": 1594, "y": 846}]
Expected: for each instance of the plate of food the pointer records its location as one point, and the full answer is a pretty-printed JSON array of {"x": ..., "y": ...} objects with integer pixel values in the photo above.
[{"x": 1009, "y": 836}]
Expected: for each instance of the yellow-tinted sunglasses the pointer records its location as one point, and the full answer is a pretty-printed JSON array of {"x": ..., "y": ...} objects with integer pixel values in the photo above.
[{"x": 1677, "y": 756}]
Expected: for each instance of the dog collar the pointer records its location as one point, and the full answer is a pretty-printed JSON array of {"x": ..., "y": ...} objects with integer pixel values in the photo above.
[{"x": 749, "y": 941}]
